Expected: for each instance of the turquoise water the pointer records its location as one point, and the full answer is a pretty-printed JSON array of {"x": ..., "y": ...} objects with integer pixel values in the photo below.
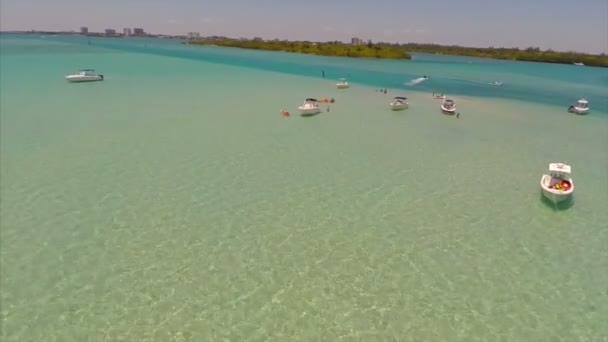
[{"x": 173, "y": 202}]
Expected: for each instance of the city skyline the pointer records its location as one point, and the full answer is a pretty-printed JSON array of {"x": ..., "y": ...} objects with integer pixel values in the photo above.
[{"x": 546, "y": 24}]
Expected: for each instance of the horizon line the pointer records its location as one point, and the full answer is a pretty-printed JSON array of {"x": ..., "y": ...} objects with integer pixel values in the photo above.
[{"x": 153, "y": 35}]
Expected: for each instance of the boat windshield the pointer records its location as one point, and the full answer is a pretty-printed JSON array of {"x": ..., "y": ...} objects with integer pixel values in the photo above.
[{"x": 582, "y": 104}]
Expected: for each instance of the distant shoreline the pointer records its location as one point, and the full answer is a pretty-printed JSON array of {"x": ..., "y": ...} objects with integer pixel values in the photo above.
[
  {"x": 336, "y": 49},
  {"x": 378, "y": 50},
  {"x": 531, "y": 54},
  {"x": 401, "y": 51}
]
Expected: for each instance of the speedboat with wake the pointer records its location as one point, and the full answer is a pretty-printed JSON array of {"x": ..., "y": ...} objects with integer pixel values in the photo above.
[
  {"x": 558, "y": 185},
  {"x": 309, "y": 107},
  {"x": 581, "y": 107},
  {"x": 399, "y": 103},
  {"x": 448, "y": 106},
  {"x": 86, "y": 75},
  {"x": 342, "y": 84},
  {"x": 417, "y": 80}
]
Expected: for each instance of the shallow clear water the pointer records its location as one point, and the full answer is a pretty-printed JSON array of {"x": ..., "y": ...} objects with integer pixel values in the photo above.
[{"x": 173, "y": 202}]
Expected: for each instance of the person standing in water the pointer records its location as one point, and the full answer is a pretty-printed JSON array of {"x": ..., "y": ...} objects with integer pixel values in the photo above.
[{"x": 323, "y": 73}]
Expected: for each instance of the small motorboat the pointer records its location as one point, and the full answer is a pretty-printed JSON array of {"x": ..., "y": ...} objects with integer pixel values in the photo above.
[
  {"x": 581, "y": 107},
  {"x": 579, "y": 64},
  {"x": 439, "y": 96},
  {"x": 496, "y": 83},
  {"x": 558, "y": 185},
  {"x": 448, "y": 106},
  {"x": 87, "y": 75},
  {"x": 399, "y": 103},
  {"x": 342, "y": 84},
  {"x": 309, "y": 107}
]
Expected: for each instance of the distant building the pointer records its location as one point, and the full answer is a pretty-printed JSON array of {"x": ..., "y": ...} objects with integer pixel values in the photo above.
[
  {"x": 84, "y": 30},
  {"x": 257, "y": 39},
  {"x": 127, "y": 32},
  {"x": 110, "y": 32},
  {"x": 357, "y": 41},
  {"x": 138, "y": 31},
  {"x": 193, "y": 35}
]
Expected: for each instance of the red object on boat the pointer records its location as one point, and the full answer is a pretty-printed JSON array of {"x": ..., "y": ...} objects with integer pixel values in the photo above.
[
  {"x": 284, "y": 112},
  {"x": 566, "y": 185}
]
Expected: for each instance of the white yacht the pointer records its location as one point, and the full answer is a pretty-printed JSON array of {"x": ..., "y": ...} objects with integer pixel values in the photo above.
[
  {"x": 342, "y": 84},
  {"x": 558, "y": 184},
  {"x": 86, "y": 75},
  {"x": 448, "y": 106},
  {"x": 309, "y": 107},
  {"x": 581, "y": 107},
  {"x": 399, "y": 103}
]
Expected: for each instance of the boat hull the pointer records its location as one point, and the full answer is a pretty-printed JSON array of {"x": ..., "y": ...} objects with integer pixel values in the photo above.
[
  {"x": 579, "y": 111},
  {"x": 342, "y": 86},
  {"x": 399, "y": 106},
  {"x": 449, "y": 111},
  {"x": 309, "y": 111},
  {"x": 77, "y": 79},
  {"x": 555, "y": 195}
]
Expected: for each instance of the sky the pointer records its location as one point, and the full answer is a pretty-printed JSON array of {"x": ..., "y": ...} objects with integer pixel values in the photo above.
[{"x": 563, "y": 25}]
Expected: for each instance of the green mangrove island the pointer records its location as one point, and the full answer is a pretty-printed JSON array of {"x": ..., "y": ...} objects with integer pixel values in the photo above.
[
  {"x": 322, "y": 49},
  {"x": 400, "y": 51},
  {"x": 531, "y": 54}
]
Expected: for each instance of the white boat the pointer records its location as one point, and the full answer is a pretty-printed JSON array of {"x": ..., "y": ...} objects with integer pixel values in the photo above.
[
  {"x": 579, "y": 63},
  {"x": 581, "y": 107},
  {"x": 310, "y": 107},
  {"x": 496, "y": 83},
  {"x": 558, "y": 185},
  {"x": 399, "y": 103},
  {"x": 342, "y": 84},
  {"x": 439, "y": 96},
  {"x": 448, "y": 106},
  {"x": 87, "y": 75}
]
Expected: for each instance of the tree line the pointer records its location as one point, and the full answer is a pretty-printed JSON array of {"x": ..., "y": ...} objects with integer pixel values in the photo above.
[
  {"x": 531, "y": 54},
  {"x": 323, "y": 49},
  {"x": 400, "y": 51}
]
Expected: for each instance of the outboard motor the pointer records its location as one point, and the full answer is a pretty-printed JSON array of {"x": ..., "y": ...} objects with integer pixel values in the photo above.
[{"x": 101, "y": 77}]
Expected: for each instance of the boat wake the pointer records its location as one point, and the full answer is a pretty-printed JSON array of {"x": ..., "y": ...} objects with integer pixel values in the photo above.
[
  {"x": 493, "y": 83},
  {"x": 416, "y": 81}
]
